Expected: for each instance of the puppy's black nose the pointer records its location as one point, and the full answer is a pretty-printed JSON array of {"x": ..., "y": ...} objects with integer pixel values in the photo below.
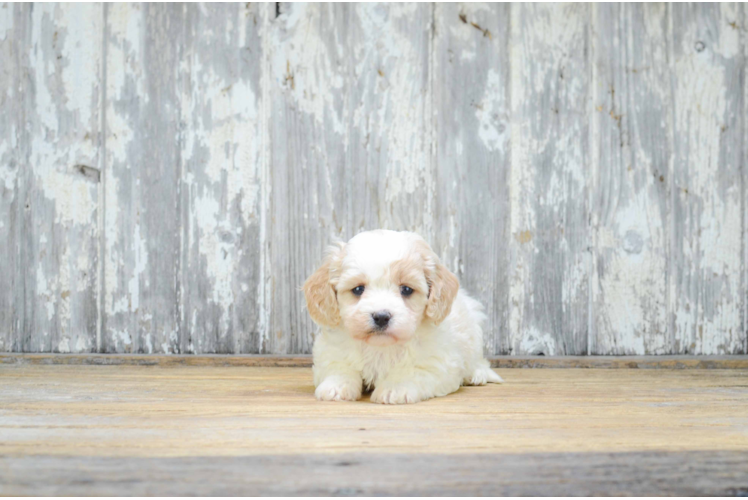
[{"x": 381, "y": 318}]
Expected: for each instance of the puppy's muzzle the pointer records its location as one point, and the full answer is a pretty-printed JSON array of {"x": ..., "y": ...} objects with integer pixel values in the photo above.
[{"x": 381, "y": 319}]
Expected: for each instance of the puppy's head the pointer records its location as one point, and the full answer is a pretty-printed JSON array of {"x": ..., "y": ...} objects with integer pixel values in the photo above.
[{"x": 380, "y": 287}]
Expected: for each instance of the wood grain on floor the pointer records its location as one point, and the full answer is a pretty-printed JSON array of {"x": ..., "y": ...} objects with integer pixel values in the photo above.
[
  {"x": 144, "y": 421},
  {"x": 304, "y": 360}
]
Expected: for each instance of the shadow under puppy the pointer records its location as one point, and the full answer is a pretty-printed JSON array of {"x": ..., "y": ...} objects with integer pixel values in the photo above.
[{"x": 394, "y": 319}]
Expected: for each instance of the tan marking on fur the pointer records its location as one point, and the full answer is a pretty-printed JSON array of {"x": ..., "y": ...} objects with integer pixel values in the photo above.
[
  {"x": 319, "y": 289},
  {"x": 443, "y": 284},
  {"x": 352, "y": 282},
  {"x": 410, "y": 271},
  {"x": 407, "y": 271},
  {"x": 444, "y": 287}
]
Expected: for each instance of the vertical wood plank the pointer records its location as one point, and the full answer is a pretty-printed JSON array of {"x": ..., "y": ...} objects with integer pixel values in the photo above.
[
  {"x": 708, "y": 74},
  {"x": 60, "y": 193},
  {"x": 744, "y": 186},
  {"x": 307, "y": 158},
  {"x": 12, "y": 97},
  {"x": 123, "y": 87},
  {"x": 630, "y": 192},
  {"x": 350, "y": 140},
  {"x": 142, "y": 178},
  {"x": 549, "y": 179},
  {"x": 389, "y": 179},
  {"x": 222, "y": 150},
  {"x": 471, "y": 108}
]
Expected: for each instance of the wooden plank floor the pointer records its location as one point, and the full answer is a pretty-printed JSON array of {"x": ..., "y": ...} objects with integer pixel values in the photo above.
[
  {"x": 144, "y": 430},
  {"x": 677, "y": 362}
]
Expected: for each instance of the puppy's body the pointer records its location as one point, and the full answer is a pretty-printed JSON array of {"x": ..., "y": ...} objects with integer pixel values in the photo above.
[
  {"x": 435, "y": 362},
  {"x": 431, "y": 341}
]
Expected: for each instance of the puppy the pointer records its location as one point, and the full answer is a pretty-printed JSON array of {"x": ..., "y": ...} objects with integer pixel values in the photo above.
[{"x": 394, "y": 319}]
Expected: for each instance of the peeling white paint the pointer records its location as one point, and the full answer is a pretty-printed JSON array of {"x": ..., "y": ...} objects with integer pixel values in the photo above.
[
  {"x": 306, "y": 71},
  {"x": 231, "y": 137},
  {"x": 64, "y": 345},
  {"x": 489, "y": 120},
  {"x": 376, "y": 81},
  {"x": 81, "y": 52},
  {"x": 42, "y": 69},
  {"x": 708, "y": 300},
  {"x": 395, "y": 107},
  {"x": 141, "y": 259},
  {"x": 62, "y": 294},
  {"x": 82, "y": 344},
  {"x": 112, "y": 256},
  {"x": 549, "y": 269},
  {"x": 148, "y": 343},
  {"x": 264, "y": 283},
  {"x": 8, "y": 176},
  {"x": 125, "y": 256},
  {"x": 219, "y": 255},
  {"x": 222, "y": 154},
  {"x": 44, "y": 293},
  {"x": 535, "y": 342},
  {"x": 6, "y": 22},
  {"x": 122, "y": 340},
  {"x": 75, "y": 199}
]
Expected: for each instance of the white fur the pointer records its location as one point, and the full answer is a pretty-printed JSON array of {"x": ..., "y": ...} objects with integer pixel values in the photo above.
[{"x": 417, "y": 357}]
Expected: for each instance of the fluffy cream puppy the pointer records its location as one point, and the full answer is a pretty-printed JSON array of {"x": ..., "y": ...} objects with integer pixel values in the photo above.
[{"x": 393, "y": 319}]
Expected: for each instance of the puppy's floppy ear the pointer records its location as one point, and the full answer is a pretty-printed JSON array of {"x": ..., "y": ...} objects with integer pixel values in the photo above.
[
  {"x": 319, "y": 289},
  {"x": 443, "y": 287}
]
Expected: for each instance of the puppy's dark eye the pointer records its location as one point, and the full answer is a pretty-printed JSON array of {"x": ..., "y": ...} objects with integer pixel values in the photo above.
[
  {"x": 406, "y": 290},
  {"x": 359, "y": 290}
]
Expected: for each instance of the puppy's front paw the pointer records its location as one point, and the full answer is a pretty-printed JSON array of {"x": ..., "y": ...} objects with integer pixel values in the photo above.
[
  {"x": 338, "y": 390},
  {"x": 396, "y": 395},
  {"x": 482, "y": 376}
]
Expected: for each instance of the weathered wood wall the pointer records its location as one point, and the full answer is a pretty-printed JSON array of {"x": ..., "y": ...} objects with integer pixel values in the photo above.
[{"x": 170, "y": 174}]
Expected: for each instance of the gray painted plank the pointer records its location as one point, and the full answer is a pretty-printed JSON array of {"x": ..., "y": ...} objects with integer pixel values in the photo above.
[
  {"x": 549, "y": 179},
  {"x": 744, "y": 187},
  {"x": 222, "y": 155},
  {"x": 708, "y": 193},
  {"x": 219, "y": 160},
  {"x": 62, "y": 59},
  {"x": 307, "y": 134},
  {"x": 142, "y": 178},
  {"x": 350, "y": 102},
  {"x": 389, "y": 180},
  {"x": 123, "y": 86},
  {"x": 471, "y": 110},
  {"x": 630, "y": 193},
  {"x": 12, "y": 131}
]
